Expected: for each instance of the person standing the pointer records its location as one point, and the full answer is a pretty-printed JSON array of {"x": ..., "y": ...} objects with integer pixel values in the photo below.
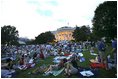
[
  {"x": 101, "y": 49},
  {"x": 114, "y": 51},
  {"x": 41, "y": 54}
]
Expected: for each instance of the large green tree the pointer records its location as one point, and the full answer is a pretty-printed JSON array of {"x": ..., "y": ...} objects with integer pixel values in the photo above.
[
  {"x": 9, "y": 35},
  {"x": 81, "y": 33},
  {"x": 105, "y": 20},
  {"x": 44, "y": 38}
]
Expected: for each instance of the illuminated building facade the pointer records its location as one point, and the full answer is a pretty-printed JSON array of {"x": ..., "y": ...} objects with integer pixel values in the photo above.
[{"x": 64, "y": 33}]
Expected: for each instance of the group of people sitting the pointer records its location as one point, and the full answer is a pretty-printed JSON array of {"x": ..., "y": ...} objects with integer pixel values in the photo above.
[
  {"x": 24, "y": 65},
  {"x": 101, "y": 61},
  {"x": 70, "y": 66}
]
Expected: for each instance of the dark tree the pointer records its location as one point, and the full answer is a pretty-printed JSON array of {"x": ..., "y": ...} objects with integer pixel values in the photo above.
[
  {"x": 50, "y": 36},
  {"x": 105, "y": 20},
  {"x": 81, "y": 33},
  {"x": 30, "y": 42},
  {"x": 93, "y": 37},
  {"x": 9, "y": 35},
  {"x": 45, "y": 38},
  {"x": 40, "y": 39},
  {"x": 76, "y": 33}
]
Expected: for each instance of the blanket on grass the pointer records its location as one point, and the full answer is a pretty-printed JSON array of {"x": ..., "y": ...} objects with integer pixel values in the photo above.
[
  {"x": 93, "y": 54},
  {"x": 87, "y": 73},
  {"x": 56, "y": 73},
  {"x": 98, "y": 65}
]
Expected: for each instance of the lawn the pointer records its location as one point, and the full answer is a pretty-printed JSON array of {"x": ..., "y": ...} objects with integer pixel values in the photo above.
[{"x": 102, "y": 73}]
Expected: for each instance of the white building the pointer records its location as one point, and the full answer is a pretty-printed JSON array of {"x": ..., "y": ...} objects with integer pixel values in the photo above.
[{"x": 64, "y": 33}]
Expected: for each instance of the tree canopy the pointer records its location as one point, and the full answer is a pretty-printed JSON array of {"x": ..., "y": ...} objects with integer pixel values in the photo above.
[
  {"x": 9, "y": 35},
  {"x": 105, "y": 20},
  {"x": 81, "y": 33},
  {"x": 44, "y": 38}
]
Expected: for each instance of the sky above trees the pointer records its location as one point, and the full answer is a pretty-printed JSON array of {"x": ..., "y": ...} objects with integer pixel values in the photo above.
[{"x": 32, "y": 17}]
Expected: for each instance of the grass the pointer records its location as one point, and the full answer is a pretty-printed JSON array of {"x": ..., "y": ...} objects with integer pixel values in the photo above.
[{"x": 101, "y": 74}]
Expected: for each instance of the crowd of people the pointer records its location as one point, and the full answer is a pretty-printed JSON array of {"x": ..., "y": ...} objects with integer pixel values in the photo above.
[{"x": 27, "y": 55}]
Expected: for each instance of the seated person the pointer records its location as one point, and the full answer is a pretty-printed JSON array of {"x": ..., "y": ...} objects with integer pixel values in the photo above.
[
  {"x": 110, "y": 62},
  {"x": 92, "y": 50},
  {"x": 62, "y": 54},
  {"x": 99, "y": 65},
  {"x": 74, "y": 62},
  {"x": 4, "y": 65},
  {"x": 27, "y": 65},
  {"x": 30, "y": 64},
  {"x": 59, "y": 51},
  {"x": 96, "y": 60},
  {"x": 55, "y": 53},
  {"x": 8, "y": 65},
  {"x": 34, "y": 55},
  {"x": 57, "y": 66},
  {"x": 21, "y": 61},
  {"x": 41, "y": 55},
  {"x": 71, "y": 67}
]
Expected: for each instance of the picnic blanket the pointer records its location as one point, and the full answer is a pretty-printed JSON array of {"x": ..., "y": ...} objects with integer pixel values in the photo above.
[
  {"x": 67, "y": 54},
  {"x": 98, "y": 65},
  {"x": 82, "y": 59},
  {"x": 6, "y": 73},
  {"x": 4, "y": 64},
  {"x": 56, "y": 61},
  {"x": 56, "y": 73},
  {"x": 78, "y": 50},
  {"x": 87, "y": 73},
  {"x": 80, "y": 54},
  {"x": 93, "y": 54},
  {"x": 5, "y": 58},
  {"x": 40, "y": 69},
  {"x": 58, "y": 58},
  {"x": 93, "y": 61}
]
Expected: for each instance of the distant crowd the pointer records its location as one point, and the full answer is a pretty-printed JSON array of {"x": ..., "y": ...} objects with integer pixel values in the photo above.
[{"x": 29, "y": 55}]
